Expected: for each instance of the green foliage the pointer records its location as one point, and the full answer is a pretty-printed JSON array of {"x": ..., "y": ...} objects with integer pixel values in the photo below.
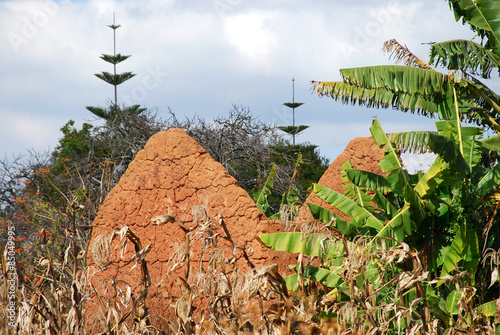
[
  {"x": 489, "y": 181},
  {"x": 112, "y": 112},
  {"x": 313, "y": 167},
  {"x": 400, "y": 87},
  {"x": 488, "y": 309},
  {"x": 313, "y": 245},
  {"x": 464, "y": 247},
  {"x": 415, "y": 89},
  {"x": 293, "y": 129},
  {"x": 304, "y": 174},
  {"x": 307, "y": 165},
  {"x": 260, "y": 195},
  {"x": 293, "y": 104},
  {"x": 114, "y": 59},
  {"x": 114, "y": 79},
  {"x": 491, "y": 143},
  {"x": 434, "y": 215},
  {"x": 347, "y": 206},
  {"x": 75, "y": 142},
  {"x": 333, "y": 220}
]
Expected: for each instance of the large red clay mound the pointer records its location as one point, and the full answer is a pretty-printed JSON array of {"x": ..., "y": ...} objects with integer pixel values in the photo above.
[{"x": 173, "y": 175}]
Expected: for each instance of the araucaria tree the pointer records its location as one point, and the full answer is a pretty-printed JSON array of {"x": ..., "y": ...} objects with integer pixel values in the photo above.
[
  {"x": 293, "y": 129},
  {"x": 114, "y": 79}
]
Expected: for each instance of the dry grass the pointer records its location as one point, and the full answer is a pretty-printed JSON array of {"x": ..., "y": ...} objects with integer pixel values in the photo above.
[
  {"x": 219, "y": 295},
  {"x": 237, "y": 299}
]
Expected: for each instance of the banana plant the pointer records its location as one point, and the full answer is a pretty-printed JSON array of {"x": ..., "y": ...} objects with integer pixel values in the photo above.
[
  {"x": 409, "y": 209},
  {"x": 455, "y": 97},
  {"x": 431, "y": 198},
  {"x": 483, "y": 17},
  {"x": 438, "y": 213},
  {"x": 418, "y": 88},
  {"x": 290, "y": 198}
]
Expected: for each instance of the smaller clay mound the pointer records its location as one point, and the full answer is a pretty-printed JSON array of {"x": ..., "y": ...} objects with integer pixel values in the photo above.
[{"x": 363, "y": 153}]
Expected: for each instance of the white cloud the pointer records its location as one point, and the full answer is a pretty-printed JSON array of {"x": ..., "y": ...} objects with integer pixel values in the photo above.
[
  {"x": 251, "y": 35},
  {"x": 418, "y": 162}
]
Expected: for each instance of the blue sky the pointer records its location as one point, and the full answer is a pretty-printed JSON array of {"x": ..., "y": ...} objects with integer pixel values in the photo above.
[{"x": 200, "y": 57}]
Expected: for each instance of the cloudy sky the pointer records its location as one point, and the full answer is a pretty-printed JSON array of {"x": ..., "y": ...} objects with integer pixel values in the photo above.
[{"x": 199, "y": 57}]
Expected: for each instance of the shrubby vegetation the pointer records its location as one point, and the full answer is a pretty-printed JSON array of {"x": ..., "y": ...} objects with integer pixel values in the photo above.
[{"x": 245, "y": 146}]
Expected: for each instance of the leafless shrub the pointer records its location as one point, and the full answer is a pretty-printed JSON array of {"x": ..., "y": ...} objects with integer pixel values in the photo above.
[
  {"x": 13, "y": 173},
  {"x": 123, "y": 137}
]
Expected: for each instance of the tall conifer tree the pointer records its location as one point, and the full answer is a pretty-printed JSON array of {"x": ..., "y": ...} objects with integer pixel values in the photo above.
[
  {"x": 114, "y": 79},
  {"x": 293, "y": 129}
]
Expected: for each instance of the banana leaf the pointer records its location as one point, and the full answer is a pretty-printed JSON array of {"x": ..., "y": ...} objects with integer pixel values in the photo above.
[
  {"x": 260, "y": 195},
  {"x": 368, "y": 180},
  {"x": 465, "y": 247},
  {"x": 379, "y": 98},
  {"x": 347, "y": 206},
  {"x": 429, "y": 181},
  {"x": 472, "y": 255},
  {"x": 452, "y": 254},
  {"x": 397, "y": 227},
  {"x": 320, "y": 275},
  {"x": 437, "y": 304},
  {"x": 411, "y": 141},
  {"x": 464, "y": 55},
  {"x": 391, "y": 160},
  {"x": 397, "y": 78},
  {"x": 448, "y": 150},
  {"x": 352, "y": 190},
  {"x": 452, "y": 302},
  {"x": 389, "y": 210},
  {"x": 491, "y": 143},
  {"x": 312, "y": 244},
  {"x": 324, "y": 215},
  {"x": 489, "y": 181},
  {"x": 488, "y": 309}
]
